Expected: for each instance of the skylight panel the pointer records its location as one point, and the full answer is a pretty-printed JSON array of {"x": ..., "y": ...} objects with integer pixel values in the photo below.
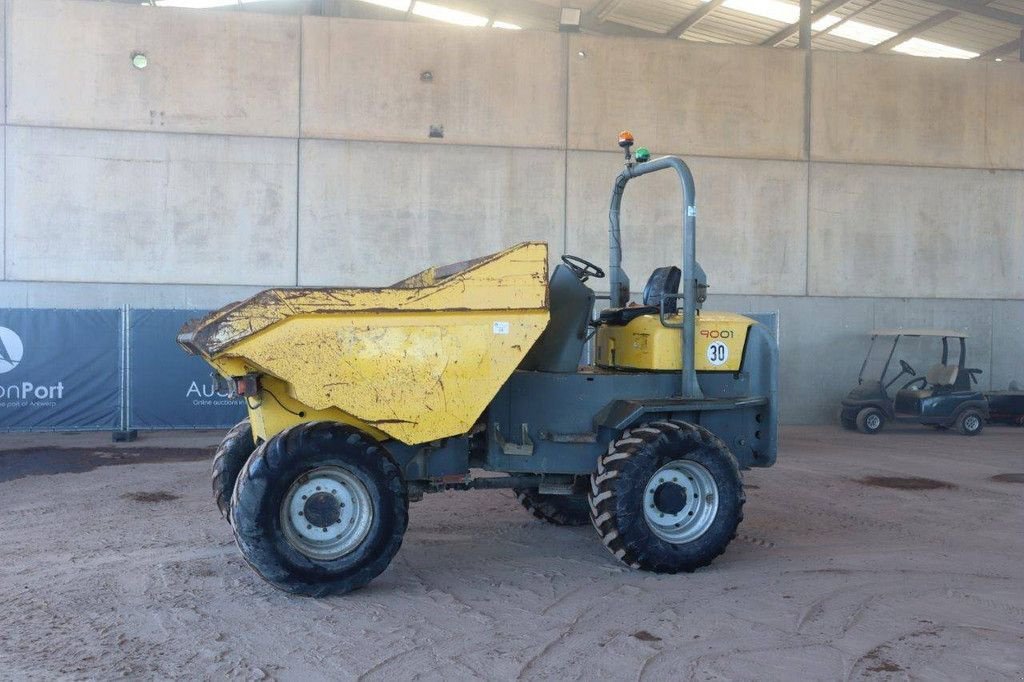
[
  {"x": 196, "y": 4},
  {"x": 400, "y": 5},
  {"x": 507, "y": 26},
  {"x": 920, "y": 47},
  {"x": 862, "y": 33},
  {"x": 784, "y": 12},
  {"x": 448, "y": 15}
]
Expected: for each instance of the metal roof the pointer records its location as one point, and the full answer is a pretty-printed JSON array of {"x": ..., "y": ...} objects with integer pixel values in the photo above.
[
  {"x": 992, "y": 29},
  {"x": 918, "y": 331}
]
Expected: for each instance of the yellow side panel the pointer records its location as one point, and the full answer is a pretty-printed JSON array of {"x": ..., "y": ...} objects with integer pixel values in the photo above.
[
  {"x": 645, "y": 344},
  {"x": 415, "y": 376}
]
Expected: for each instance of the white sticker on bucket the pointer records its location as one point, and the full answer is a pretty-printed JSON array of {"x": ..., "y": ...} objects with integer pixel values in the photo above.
[{"x": 500, "y": 327}]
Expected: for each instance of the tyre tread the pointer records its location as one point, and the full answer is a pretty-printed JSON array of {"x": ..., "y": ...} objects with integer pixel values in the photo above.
[{"x": 603, "y": 491}]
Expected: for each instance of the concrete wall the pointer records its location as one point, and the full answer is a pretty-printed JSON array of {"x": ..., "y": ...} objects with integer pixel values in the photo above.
[{"x": 844, "y": 190}]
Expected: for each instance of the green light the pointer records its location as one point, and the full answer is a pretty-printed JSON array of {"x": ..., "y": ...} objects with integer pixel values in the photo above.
[{"x": 643, "y": 154}]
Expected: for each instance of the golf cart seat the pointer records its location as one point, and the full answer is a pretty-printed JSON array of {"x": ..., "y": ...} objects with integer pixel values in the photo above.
[
  {"x": 662, "y": 285},
  {"x": 940, "y": 378},
  {"x": 941, "y": 375}
]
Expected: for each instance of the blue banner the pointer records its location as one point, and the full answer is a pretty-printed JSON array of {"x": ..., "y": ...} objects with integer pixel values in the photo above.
[
  {"x": 60, "y": 369},
  {"x": 167, "y": 388}
]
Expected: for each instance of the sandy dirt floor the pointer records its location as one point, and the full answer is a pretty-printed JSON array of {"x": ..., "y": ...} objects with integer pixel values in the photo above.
[{"x": 121, "y": 567}]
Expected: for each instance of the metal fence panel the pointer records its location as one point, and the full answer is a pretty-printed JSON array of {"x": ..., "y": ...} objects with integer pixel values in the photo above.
[{"x": 60, "y": 369}]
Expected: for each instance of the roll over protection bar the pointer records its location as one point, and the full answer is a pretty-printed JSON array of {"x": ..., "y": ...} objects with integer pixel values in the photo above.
[{"x": 689, "y": 387}]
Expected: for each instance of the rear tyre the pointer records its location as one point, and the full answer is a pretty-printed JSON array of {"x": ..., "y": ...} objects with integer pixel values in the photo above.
[
  {"x": 560, "y": 510},
  {"x": 870, "y": 420},
  {"x": 970, "y": 422},
  {"x": 227, "y": 462},
  {"x": 319, "y": 509},
  {"x": 848, "y": 424},
  {"x": 667, "y": 497}
]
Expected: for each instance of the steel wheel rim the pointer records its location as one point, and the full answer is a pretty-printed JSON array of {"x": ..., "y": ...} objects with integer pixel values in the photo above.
[
  {"x": 699, "y": 501},
  {"x": 340, "y": 492},
  {"x": 971, "y": 422},
  {"x": 873, "y": 421}
]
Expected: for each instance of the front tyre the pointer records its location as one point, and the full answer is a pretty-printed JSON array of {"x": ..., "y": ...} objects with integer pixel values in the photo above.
[
  {"x": 667, "y": 497},
  {"x": 229, "y": 459},
  {"x": 870, "y": 420},
  {"x": 319, "y": 509}
]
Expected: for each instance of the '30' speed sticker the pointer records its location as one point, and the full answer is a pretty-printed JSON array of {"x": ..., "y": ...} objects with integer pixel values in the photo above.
[{"x": 718, "y": 353}]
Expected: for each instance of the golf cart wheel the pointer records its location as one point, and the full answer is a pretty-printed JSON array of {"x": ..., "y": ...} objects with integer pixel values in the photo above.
[
  {"x": 560, "y": 510},
  {"x": 319, "y": 509},
  {"x": 970, "y": 422},
  {"x": 667, "y": 497},
  {"x": 227, "y": 462},
  {"x": 870, "y": 420},
  {"x": 848, "y": 424}
]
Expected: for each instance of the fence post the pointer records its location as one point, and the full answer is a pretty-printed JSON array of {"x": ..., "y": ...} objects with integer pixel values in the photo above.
[{"x": 125, "y": 433}]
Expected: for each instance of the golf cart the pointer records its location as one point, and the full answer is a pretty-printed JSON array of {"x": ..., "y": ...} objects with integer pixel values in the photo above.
[{"x": 943, "y": 398}]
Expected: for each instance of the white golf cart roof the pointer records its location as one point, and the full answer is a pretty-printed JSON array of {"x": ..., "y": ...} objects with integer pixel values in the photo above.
[{"x": 918, "y": 331}]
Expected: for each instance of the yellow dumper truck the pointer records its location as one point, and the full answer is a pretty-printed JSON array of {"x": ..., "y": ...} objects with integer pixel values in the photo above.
[{"x": 361, "y": 400}]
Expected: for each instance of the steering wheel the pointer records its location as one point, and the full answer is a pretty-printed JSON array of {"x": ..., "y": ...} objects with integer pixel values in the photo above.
[
  {"x": 582, "y": 268},
  {"x": 907, "y": 368},
  {"x": 919, "y": 380}
]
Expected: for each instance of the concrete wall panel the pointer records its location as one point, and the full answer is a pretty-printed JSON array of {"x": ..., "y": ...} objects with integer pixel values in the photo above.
[
  {"x": 911, "y": 111},
  {"x": 3, "y": 200},
  {"x": 697, "y": 99},
  {"x": 210, "y": 72},
  {"x": 916, "y": 232},
  {"x": 1004, "y": 102},
  {"x": 1007, "y": 344},
  {"x": 372, "y": 214},
  {"x": 96, "y": 206},
  {"x": 3, "y": 61},
  {"x": 750, "y": 220},
  {"x": 362, "y": 80}
]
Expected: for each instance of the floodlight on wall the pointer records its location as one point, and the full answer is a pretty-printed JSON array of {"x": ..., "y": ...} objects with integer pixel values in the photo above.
[
  {"x": 139, "y": 60},
  {"x": 570, "y": 19}
]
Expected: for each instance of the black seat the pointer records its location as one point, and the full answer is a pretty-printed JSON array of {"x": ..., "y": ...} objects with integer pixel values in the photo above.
[{"x": 662, "y": 283}]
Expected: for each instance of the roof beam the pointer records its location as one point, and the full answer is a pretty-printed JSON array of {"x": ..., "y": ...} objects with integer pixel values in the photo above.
[
  {"x": 979, "y": 9},
  {"x": 792, "y": 29},
  {"x": 1004, "y": 49},
  {"x": 915, "y": 30},
  {"x": 693, "y": 18},
  {"x": 805, "y": 25}
]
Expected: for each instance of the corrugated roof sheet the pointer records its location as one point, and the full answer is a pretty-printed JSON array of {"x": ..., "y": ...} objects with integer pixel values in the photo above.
[{"x": 727, "y": 25}]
